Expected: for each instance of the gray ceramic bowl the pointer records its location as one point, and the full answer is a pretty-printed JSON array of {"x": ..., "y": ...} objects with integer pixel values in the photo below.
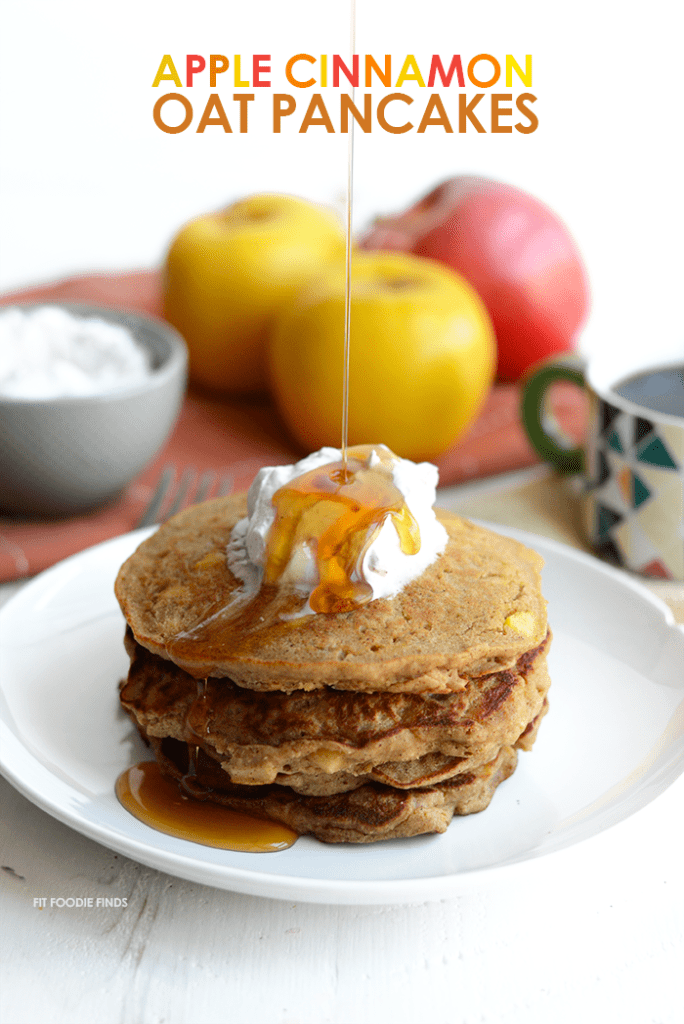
[{"x": 65, "y": 455}]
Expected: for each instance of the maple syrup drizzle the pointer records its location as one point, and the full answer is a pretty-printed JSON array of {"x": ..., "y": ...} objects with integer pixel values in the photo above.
[
  {"x": 336, "y": 511},
  {"x": 348, "y": 257},
  {"x": 161, "y": 804},
  {"x": 336, "y": 518}
]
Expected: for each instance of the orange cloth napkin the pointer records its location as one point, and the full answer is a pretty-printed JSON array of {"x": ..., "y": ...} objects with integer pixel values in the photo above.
[{"x": 235, "y": 436}]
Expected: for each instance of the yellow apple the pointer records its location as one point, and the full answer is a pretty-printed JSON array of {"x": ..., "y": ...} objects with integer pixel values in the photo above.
[
  {"x": 228, "y": 273},
  {"x": 422, "y": 356}
]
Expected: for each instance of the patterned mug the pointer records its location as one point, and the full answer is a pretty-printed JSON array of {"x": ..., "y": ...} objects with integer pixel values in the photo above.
[{"x": 632, "y": 463}]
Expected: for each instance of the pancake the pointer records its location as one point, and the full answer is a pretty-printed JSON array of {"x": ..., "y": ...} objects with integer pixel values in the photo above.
[
  {"x": 364, "y": 815},
  {"x": 380, "y": 722},
  {"x": 423, "y": 771},
  {"x": 322, "y": 741},
  {"x": 474, "y": 611}
]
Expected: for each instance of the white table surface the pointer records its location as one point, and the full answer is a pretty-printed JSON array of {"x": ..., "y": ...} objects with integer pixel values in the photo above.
[{"x": 596, "y": 934}]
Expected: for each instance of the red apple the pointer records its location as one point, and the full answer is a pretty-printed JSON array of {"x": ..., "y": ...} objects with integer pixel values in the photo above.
[{"x": 516, "y": 253}]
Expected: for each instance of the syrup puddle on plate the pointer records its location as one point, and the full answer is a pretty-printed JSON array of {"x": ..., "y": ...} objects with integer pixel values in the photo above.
[{"x": 160, "y": 803}]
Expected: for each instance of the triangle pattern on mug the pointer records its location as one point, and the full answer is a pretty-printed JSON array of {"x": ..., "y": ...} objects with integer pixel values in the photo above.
[
  {"x": 609, "y": 550},
  {"x": 646, "y": 556},
  {"x": 656, "y": 568},
  {"x": 632, "y": 488},
  {"x": 612, "y": 492},
  {"x": 642, "y": 427},
  {"x": 614, "y": 441},
  {"x": 606, "y": 518},
  {"x": 659, "y": 521},
  {"x": 636, "y": 508},
  {"x": 640, "y": 492},
  {"x": 654, "y": 452},
  {"x": 603, "y": 470},
  {"x": 673, "y": 438},
  {"x": 670, "y": 490},
  {"x": 607, "y": 414}
]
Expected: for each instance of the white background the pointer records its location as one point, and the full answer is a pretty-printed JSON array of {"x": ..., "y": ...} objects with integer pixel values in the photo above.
[{"x": 89, "y": 182}]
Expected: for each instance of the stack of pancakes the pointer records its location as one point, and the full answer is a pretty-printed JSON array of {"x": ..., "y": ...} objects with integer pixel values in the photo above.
[{"x": 376, "y": 723}]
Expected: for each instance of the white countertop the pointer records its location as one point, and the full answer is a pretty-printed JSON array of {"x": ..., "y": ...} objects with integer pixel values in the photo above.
[
  {"x": 599, "y": 936},
  {"x": 594, "y": 933}
]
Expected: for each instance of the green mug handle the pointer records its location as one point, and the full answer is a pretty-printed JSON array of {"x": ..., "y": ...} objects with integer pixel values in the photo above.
[{"x": 545, "y": 435}]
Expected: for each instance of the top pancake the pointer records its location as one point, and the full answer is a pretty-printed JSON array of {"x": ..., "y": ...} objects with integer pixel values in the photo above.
[{"x": 475, "y": 610}]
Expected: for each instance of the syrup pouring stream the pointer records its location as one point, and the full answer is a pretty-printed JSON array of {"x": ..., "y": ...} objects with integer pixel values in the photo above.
[{"x": 348, "y": 253}]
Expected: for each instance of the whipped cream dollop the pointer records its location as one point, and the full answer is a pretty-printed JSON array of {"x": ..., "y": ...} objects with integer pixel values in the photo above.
[
  {"x": 49, "y": 352},
  {"x": 384, "y": 566}
]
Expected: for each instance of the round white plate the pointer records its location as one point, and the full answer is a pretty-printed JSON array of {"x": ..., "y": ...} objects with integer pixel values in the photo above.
[{"x": 616, "y": 699}]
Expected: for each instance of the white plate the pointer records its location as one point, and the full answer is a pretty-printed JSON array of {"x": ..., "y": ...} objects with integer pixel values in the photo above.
[{"x": 617, "y": 699}]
